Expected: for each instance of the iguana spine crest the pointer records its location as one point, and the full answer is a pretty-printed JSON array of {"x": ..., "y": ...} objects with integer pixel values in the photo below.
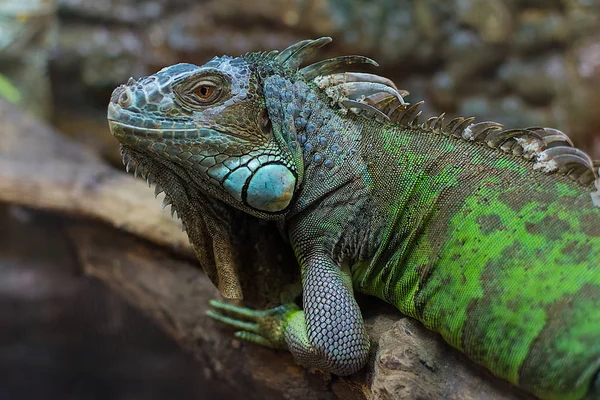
[{"x": 377, "y": 97}]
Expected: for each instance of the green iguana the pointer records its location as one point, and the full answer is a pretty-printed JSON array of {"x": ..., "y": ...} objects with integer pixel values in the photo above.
[{"x": 487, "y": 236}]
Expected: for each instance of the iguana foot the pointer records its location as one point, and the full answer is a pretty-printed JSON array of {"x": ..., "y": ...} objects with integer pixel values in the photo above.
[{"x": 266, "y": 327}]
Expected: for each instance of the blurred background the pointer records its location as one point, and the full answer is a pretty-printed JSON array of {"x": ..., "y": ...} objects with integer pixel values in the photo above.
[{"x": 518, "y": 62}]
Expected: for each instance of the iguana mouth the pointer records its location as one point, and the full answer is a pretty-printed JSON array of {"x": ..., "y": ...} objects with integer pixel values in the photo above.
[
  {"x": 130, "y": 125},
  {"x": 133, "y": 122}
]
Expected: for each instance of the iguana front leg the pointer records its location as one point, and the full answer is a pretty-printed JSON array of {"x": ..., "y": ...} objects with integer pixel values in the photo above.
[{"x": 328, "y": 334}]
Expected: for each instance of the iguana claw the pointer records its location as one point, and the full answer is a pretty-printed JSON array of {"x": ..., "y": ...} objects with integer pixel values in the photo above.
[{"x": 264, "y": 327}]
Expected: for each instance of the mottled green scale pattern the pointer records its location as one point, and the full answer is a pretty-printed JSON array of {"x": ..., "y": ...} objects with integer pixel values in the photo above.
[{"x": 500, "y": 259}]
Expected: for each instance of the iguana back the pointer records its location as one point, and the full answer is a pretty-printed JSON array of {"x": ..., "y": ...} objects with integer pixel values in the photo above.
[{"x": 501, "y": 259}]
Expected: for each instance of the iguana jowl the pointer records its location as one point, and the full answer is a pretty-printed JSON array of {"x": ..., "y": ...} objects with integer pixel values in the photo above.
[{"x": 487, "y": 236}]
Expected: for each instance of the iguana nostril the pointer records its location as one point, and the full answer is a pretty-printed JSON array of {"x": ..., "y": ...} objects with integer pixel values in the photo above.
[{"x": 125, "y": 98}]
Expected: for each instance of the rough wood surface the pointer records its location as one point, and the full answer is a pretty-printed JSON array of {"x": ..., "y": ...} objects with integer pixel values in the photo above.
[
  {"x": 409, "y": 361},
  {"x": 39, "y": 169},
  {"x": 175, "y": 293}
]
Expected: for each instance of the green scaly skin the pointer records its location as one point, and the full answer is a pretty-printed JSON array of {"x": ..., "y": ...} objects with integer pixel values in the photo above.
[{"x": 470, "y": 236}]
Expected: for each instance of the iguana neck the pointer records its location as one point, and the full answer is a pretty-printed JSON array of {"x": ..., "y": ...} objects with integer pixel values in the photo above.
[{"x": 332, "y": 161}]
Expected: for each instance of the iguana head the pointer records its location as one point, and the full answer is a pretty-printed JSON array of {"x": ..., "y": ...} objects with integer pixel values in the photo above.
[
  {"x": 235, "y": 132},
  {"x": 238, "y": 126},
  {"x": 212, "y": 121}
]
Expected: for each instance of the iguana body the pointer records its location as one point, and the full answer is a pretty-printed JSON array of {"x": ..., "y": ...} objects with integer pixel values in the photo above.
[{"x": 477, "y": 232}]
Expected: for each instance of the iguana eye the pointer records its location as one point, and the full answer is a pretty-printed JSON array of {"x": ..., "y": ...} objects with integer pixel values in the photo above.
[
  {"x": 201, "y": 91},
  {"x": 204, "y": 91}
]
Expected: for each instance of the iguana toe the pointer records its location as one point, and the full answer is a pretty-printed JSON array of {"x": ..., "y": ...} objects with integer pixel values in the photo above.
[{"x": 264, "y": 327}]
